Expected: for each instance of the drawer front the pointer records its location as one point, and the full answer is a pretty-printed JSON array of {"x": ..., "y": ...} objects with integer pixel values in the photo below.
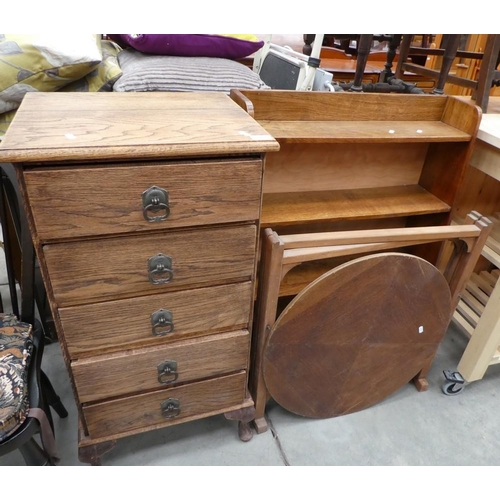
[
  {"x": 75, "y": 202},
  {"x": 157, "y": 367},
  {"x": 112, "y": 325},
  {"x": 196, "y": 400},
  {"x": 87, "y": 271}
]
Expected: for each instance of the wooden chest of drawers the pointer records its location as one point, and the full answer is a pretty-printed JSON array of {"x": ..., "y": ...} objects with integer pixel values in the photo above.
[{"x": 144, "y": 210}]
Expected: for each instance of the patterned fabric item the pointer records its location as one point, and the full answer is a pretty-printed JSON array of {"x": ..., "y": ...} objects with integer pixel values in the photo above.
[
  {"x": 44, "y": 63},
  {"x": 16, "y": 348},
  {"x": 146, "y": 73},
  {"x": 5, "y": 121},
  {"x": 102, "y": 78}
]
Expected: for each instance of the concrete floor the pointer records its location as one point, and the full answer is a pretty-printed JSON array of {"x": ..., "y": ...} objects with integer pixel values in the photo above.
[{"x": 408, "y": 428}]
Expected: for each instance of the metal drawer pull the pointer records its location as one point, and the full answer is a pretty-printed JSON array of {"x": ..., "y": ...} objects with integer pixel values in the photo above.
[
  {"x": 167, "y": 372},
  {"x": 154, "y": 200},
  {"x": 163, "y": 322},
  {"x": 170, "y": 408},
  {"x": 160, "y": 269}
]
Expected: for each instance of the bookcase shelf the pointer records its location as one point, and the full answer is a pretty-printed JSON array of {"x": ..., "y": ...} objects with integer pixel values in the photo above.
[
  {"x": 363, "y": 131},
  {"x": 349, "y": 204},
  {"x": 348, "y": 160}
]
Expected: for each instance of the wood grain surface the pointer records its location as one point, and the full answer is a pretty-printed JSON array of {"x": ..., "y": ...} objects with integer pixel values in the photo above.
[
  {"x": 96, "y": 270},
  {"x": 304, "y": 106},
  {"x": 86, "y": 201},
  {"x": 348, "y": 204},
  {"x": 71, "y": 126},
  {"x": 462, "y": 115},
  {"x": 136, "y": 371},
  {"x": 111, "y": 326},
  {"x": 328, "y": 167},
  {"x": 362, "y": 131},
  {"x": 205, "y": 398},
  {"x": 356, "y": 335}
]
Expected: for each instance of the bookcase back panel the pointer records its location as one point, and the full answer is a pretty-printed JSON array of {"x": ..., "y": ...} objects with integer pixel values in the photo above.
[{"x": 327, "y": 167}]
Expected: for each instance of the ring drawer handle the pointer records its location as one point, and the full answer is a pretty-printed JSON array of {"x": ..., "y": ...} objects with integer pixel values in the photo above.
[
  {"x": 170, "y": 408},
  {"x": 162, "y": 322},
  {"x": 155, "y": 200},
  {"x": 160, "y": 269},
  {"x": 167, "y": 372}
]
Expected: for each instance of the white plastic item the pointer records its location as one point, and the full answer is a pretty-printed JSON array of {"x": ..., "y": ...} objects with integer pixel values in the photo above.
[{"x": 287, "y": 69}]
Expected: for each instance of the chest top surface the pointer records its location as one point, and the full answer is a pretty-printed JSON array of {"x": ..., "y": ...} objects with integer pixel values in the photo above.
[{"x": 78, "y": 126}]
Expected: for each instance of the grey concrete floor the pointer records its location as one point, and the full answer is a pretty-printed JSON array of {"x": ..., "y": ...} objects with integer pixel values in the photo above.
[{"x": 408, "y": 428}]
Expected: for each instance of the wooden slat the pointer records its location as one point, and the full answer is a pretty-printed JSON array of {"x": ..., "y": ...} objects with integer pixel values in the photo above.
[
  {"x": 267, "y": 303},
  {"x": 488, "y": 277},
  {"x": 467, "y": 313},
  {"x": 491, "y": 255},
  {"x": 493, "y": 244},
  {"x": 354, "y": 131},
  {"x": 465, "y": 54},
  {"x": 421, "y": 70},
  {"x": 482, "y": 284},
  {"x": 472, "y": 302},
  {"x": 297, "y": 255},
  {"x": 378, "y": 236},
  {"x": 495, "y": 231},
  {"x": 465, "y": 326},
  {"x": 477, "y": 292},
  {"x": 290, "y": 208},
  {"x": 305, "y": 106}
]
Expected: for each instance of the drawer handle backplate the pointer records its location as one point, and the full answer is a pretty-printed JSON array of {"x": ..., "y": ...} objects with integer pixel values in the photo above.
[
  {"x": 160, "y": 269},
  {"x": 170, "y": 408},
  {"x": 155, "y": 200},
  {"x": 162, "y": 322},
  {"x": 167, "y": 372}
]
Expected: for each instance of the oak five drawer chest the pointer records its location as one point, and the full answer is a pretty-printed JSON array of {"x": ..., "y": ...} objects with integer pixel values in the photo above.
[{"x": 144, "y": 211}]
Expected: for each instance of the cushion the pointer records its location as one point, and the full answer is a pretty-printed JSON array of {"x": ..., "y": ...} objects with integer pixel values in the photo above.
[
  {"x": 16, "y": 348},
  {"x": 145, "y": 72},
  {"x": 229, "y": 47},
  {"x": 102, "y": 78},
  {"x": 5, "y": 121},
  {"x": 43, "y": 62}
]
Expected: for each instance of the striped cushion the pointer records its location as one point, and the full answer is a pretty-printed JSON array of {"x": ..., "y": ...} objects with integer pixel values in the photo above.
[
  {"x": 16, "y": 347},
  {"x": 147, "y": 73}
]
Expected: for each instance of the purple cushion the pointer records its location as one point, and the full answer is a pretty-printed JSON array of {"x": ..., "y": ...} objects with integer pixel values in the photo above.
[{"x": 190, "y": 45}]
